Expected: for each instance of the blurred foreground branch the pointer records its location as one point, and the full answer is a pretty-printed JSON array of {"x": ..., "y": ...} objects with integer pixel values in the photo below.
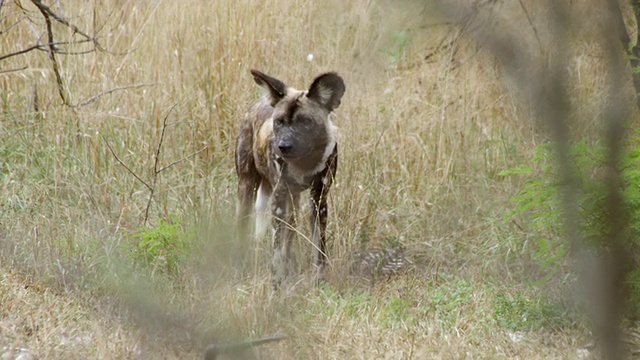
[
  {"x": 238, "y": 350},
  {"x": 542, "y": 80}
]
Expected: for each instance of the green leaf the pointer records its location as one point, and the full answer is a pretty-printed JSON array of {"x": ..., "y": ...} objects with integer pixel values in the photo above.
[{"x": 522, "y": 169}]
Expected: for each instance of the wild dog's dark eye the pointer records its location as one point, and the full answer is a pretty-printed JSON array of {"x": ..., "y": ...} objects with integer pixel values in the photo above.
[
  {"x": 304, "y": 119},
  {"x": 279, "y": 120}
]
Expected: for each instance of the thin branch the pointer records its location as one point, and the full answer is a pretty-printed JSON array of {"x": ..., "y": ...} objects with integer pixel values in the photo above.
[
  {"x": 183, "y": 159},
  {"x": 46, "y": 12},
  {"x": 44, "y": 9},
  {"x": 91, "y": 99},
  {"x": 5, "y": 30},
  {"x": 49, "y": 47},
  {"x": 155, "y": 164},
  {"x": 535, "y": 30},
  {"x": 125, "y": 165},
  {"x": 63, "y": 52},
  {"x": 12, "y": 70},
  {"x": 52, "y": 46},
  {"x": 23, "y": 51},
  {"x": 156, "y": 169},
  {"x": 164, "y": 128}
]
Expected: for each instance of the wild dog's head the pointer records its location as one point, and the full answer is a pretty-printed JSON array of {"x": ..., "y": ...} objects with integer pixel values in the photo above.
[{"x": 302, "y": 129}]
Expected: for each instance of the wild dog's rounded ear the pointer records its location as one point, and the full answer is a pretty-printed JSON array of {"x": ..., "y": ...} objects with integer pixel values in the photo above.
[
  {"x": 275, "y": 88},
  {"x": 327, "y": 89}
]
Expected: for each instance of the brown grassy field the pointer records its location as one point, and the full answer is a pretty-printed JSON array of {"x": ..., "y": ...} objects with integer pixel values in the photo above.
[{"x": 427, "y": 125}]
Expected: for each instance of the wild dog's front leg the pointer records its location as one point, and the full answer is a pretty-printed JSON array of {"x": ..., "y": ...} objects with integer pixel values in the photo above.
[
  {"x": 283, "y": 211},
  {"x": 319, "y": 193},
  {"x": 318, "y": 227}
]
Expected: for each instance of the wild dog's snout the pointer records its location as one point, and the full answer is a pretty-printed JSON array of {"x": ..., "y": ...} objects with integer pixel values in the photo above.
[{"x": 285, "y": 146}]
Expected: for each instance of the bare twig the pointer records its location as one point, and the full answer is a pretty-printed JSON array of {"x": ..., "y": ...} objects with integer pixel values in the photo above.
[
  {"x": 183, "y": 159},
  {"x": 46, "y": 12},
  {"x": 161, "y": 140},
  {"x": 24, "y": 51},
  {"x": 535, "y": 30},
  {"x": 53, "y": 47},
  {"x": 155, "y": 164},
  {"x": 12, "y": 70},
  {"x": 48, "y": 47},
  {"x": 125, "y": 165},
  {"x": 64, "y": 52},
  {"x": 118, "y": 88},
  {"x": 10, "y": 26}
]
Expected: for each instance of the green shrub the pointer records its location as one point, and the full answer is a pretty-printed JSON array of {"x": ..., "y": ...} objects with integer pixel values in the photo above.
[
  {"x": 539, "y": 201},
  {"x": 163, "y": 247}
]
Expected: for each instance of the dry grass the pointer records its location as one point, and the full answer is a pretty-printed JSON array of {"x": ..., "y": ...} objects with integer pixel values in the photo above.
[
  {"x": 38, "y": 321},
  {"x": 425, "y": 131}
]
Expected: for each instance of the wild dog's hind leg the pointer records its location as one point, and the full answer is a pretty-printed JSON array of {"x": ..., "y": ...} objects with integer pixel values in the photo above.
[
  {"x": 247, "y": 185},
  {"x": 248, "y": 180},
  {"x": 262, "y": 209}
]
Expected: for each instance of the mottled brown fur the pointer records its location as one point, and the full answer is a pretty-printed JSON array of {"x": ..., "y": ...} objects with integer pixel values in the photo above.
[{"x": 287, "y": 144}]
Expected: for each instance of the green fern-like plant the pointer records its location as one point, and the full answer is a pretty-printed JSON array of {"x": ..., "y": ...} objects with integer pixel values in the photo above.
[{"x": 539, "y": 202}]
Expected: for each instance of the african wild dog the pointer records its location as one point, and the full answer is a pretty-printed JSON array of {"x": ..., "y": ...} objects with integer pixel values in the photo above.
[{"x": 286, "y": 145}]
